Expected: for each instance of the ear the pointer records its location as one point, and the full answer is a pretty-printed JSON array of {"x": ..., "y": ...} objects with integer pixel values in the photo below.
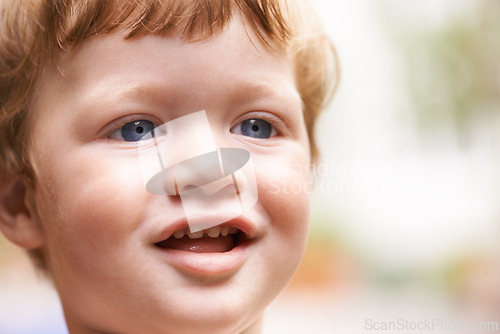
[{"x": 17, "y": 222}]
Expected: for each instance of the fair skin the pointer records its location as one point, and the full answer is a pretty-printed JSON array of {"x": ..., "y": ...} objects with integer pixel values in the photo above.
[{"x": 97, "y": 225}]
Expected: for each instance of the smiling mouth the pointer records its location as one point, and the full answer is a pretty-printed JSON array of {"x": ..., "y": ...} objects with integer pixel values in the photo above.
[{"x": 217, "y": 239}]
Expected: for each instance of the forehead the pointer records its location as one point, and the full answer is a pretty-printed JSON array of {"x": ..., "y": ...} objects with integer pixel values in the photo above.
[
  {"x": 236, "y": 43},
  {"x": 170, "y": 70}
]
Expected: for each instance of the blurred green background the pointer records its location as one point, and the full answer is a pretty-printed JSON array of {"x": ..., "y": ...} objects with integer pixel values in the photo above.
[{"x": 406, "y": 215}]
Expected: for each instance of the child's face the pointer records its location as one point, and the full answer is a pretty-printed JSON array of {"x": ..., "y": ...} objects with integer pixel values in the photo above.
[{"x": 101, "y": 226}]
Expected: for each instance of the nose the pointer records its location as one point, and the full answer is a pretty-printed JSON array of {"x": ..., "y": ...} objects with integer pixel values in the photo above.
[
  {"x": 178, "y": 157},
  {"x": 186, "y": 162},
  {"x": 197, "y": 172},
  {"x": 211, "y": 172},
  {"x": 214, "y": 184},
  {"x": 188, "y": 158}
]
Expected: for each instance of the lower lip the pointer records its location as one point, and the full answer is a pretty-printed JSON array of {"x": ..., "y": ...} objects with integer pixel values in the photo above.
[{"x": 206, "y": 263}]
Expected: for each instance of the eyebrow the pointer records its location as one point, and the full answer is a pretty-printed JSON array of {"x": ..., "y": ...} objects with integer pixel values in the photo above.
[
  {"x": 115, "y": 93},
  {"x": 106, "y": 94},
  {"x": 251, "y": 90},
  {"x": 115, "y": 90}
]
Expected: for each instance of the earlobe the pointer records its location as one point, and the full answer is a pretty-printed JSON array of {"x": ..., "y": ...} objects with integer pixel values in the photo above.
[{"x": 17, "y": 222}]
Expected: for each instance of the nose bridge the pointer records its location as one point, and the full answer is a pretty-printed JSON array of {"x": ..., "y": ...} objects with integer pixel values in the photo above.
[
  {"x": 188, "y": 136},
  {"x": 219, "y": 133},
  {"x": 192, "y": 151}
]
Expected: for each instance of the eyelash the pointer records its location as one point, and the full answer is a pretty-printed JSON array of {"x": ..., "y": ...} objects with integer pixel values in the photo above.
[
  {"x": 276, "y": 130},
  {"x": 276, "y": 122},
  {"x": 117, "y": 126},
  {"x": 251, "y": 126}
]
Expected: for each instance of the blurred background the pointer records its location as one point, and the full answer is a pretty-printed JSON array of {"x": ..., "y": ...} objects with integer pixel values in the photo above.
[{"x": 406, "y": 215}]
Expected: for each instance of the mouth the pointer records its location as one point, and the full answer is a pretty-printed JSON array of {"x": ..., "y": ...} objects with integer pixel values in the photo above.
[
  {"x": 217, "y": 239},
  {"x": 214, "y": 251}
]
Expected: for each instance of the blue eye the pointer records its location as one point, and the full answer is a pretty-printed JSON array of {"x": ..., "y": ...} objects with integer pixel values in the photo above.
[
  {"x": 133, "y": 131},
  {"x": 255, "y": 128}
]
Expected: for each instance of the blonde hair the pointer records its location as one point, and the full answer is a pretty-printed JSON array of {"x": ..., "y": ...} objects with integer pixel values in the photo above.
[{"x": 34, "y": 32}]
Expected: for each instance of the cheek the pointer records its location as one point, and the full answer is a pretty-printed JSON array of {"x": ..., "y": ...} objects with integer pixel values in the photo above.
[
  {"x": 284, "y": 190},
  {"x": 87, "y": 205},
  {"x": 284, "y": 196}
]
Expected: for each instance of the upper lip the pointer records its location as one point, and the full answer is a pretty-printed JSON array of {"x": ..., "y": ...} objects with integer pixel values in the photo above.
[{"x": 241, "y": 223}]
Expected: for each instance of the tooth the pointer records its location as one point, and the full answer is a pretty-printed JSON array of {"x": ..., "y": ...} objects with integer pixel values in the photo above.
[
  {"x": 195, "y": 235},
  {"x": 179, "y": 234},
  {"x": 214, "y": 232},
  {"x": 224, "y": 231},
  {"x": 233, "y": 230}
]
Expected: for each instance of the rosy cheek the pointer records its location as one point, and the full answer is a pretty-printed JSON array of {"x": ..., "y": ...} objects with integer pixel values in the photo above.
[
  {"x": 90, "y": 205},
  {"x": 284, "y": 188}
]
